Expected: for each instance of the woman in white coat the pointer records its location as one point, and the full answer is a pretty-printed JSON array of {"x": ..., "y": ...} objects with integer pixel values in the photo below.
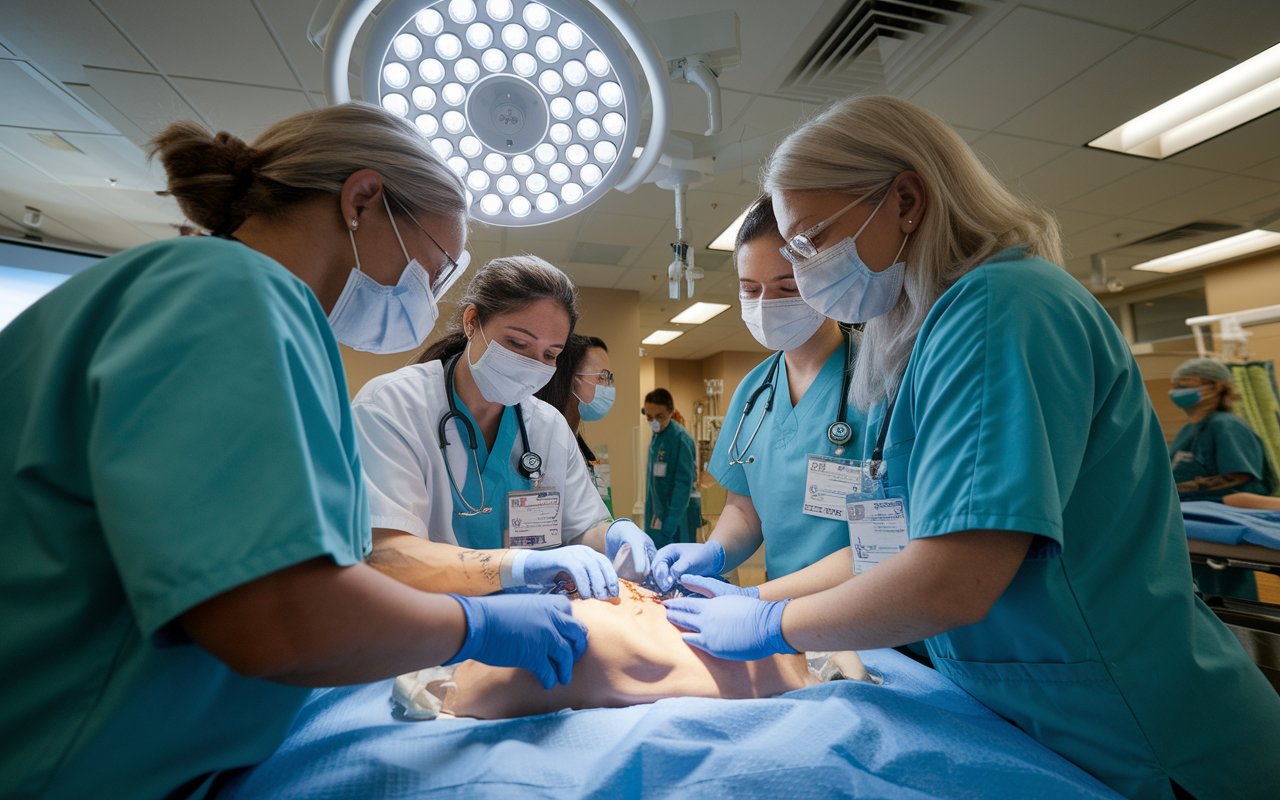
[{"x": 474, "y": 484}]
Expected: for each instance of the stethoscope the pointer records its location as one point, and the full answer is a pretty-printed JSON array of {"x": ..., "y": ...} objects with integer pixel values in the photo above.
[
  {"x": 839, "y": 433},
  {"x": 529, "y": 463}
]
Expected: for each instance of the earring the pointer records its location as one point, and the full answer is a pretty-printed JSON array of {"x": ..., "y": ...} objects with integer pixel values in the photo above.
[{"x": 354, "y": 223}]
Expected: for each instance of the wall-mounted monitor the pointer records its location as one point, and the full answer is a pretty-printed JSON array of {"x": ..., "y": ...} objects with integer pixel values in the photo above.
[{"x": 29, "y": 270}]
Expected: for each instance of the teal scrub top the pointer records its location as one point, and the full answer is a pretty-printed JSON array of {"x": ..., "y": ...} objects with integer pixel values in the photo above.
[
  {"x": 484, "y": 531},
  {"x": 668, "y": 496},
  {"x": 176, "y": 424},
  {"x": 1022, "y": 409},
  {"x": 1219, "y": 444},
  {"x": 776, "y": 481}
]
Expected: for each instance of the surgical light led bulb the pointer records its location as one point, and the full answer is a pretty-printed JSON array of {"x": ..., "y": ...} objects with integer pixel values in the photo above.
[
  {"x": 570, "y": 35},
  {"x": 559, "y": 172},
  {"x": 470, "y": 146},
  {"x": 477, "y": 180},
  {"x": 495, "y": 163},
  {"x": 576, "y": 155},
  {"x": 571, "y": 192},
  {"x": 524, "y": 65},
  {"x": 453, "y": 94},
  {"x": 536, "y": 183},
  {"x": 561, "y": 133},
  {"x": 499, "y": 10},
  {"x": 550, "y": 81},
  {"x": 432, "y": 71},
  {"x": 396, "y": 104},
  {"x": 605, "y": 152},
  {"x": 586, "y": 103},
  {"x": 459, "y": 165},
  {"x": 536, "y": 16},
  {"x": 424, "y": 98},
  {"x": 396, "y": 75},
  {"x": 597, "y": 63},
  {"x": 575, "y": 73},
  {"x": 462, "y": 11},
  {"x": 428, "y": 124},
  {"x": 548, "y": 49},
  {"x": 545, "y": 153},
  {"x": 591, "y": 174},
  {"x": 491, "y": 204},
  {"x": 479, "y": 36},
  {"x": 407, "y": 46},
  {"x": 520, "y": 207},
  {"x": 515, "y": 36},
  {"x": 508, "y": 184},
  {"x": 610, "y": 94},
  {"x": 613, "y": 123},
  {"x": 547, "y": 202},
  {"x": 588, "y": 129},
  {"x": 429, "y": 22},
  {"x": 467, "y": 70},
  {"x": 448, "y": 46},
  {"x": 522, "y": 165},
  {"x": 442, "y": 146},
  {"x": 561, "y": 108},
  {"x": 494, "y": 60}
]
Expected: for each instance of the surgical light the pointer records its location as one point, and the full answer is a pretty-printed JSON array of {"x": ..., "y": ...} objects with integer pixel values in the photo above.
[
  {"x": 1233, "y": 247},
  {"x": 1225, "y": 101},
  {"x": 544, "y": 93}
]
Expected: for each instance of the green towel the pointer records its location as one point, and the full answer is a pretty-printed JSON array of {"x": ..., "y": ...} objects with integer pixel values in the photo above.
[{"x": 1260, "y": 408}]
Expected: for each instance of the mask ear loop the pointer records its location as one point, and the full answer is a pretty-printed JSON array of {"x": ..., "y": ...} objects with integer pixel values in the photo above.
[
  {"x": 873, "y": 216},
  {"x": 900, "y": 249},
  {"x": 395, "y": 228},
  {"x": 352, "y": 232}
]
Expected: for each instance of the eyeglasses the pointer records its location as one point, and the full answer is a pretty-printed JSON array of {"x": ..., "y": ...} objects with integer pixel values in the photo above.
[
  {"x": 801, "y": 247},
  {"x": 452, "y": 268},
  {"x": 603, "y": 378}
]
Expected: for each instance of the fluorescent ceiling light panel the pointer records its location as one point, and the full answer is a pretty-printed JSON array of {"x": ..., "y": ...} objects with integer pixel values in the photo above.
[
  {"x": 1242, "y": 93},
  {"x": 661, "y": 337},
  {"x": 726, "y": 239},
  {"x": 1212, "y": 253},
  {"x": 699, "y": 313}
]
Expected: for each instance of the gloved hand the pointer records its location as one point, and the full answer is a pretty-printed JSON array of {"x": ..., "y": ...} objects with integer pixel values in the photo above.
[
  {"x": 736, "y": 628},
  {"x": 675, "y": 560},
  {"x": 537, "y": 633},
  {"x": 714, "y": 587},
  {"x": 624, "y": 531},
  {"x": 591, "y": 572}
]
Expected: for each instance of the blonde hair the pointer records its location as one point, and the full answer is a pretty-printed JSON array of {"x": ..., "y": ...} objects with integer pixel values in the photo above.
[
  {"x": 861, "y": 145},
  {"x": 220, "y": 181}
]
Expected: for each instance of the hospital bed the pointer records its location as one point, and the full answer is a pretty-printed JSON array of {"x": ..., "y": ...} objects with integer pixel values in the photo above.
[
  {"x": 914, "y": 736},
  {"x": 1223, "y": 536}
]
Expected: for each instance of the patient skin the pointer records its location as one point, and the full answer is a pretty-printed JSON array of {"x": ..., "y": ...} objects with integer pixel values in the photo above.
[{"x": 634, "y": 655}]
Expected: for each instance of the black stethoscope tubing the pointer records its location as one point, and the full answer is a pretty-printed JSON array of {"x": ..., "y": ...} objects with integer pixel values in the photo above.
[
  {"x": 839, "y": 433},
  {"x": 529, "y": 463}
]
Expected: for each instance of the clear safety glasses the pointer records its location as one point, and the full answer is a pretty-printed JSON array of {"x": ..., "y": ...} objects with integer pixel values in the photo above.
[
  {"x": 603, "y": 378},
  {"x": 452, "y": 268},
  {"x": 801, "y": 247}
]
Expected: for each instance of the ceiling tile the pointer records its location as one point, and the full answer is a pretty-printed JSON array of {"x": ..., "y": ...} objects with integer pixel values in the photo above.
[
  {"x": 1115, "y": 90},
  {"x": 1109, "y": 235},
  {"x": 1269, "y": 170},
  {"x": 769, "y": 114},
  {"x": 63, "y": 35},
  {"x": 137, "y": 206},
  {"x": 646, "y": 201},
  {"x": 606, "y": 228},
  {"x": 99, "y": 159},
  {"x": 991, "y": 82},
  {"x": 222, "y": 41},
  {"x": 1012, "y": 156},
  {"x": 1076, "y": 172},
  {"x": 1137, "y": 190},
  {"x": 1135, "y": 15},
  {"x": 645, "y": 281},
  {"x": 1075, "y": 221},
  {"x": 1238, "y": 28},
  {"x": 28, "y": 100},
  {"x": 1208, "y": 200},
  {"x": 599, "y": 275},
  {"x": 243, "y": 110},
  {"x": 289, "y": 20},
  {"x": 145, "y": 99},
  {"x": 1264, "y": 209}
]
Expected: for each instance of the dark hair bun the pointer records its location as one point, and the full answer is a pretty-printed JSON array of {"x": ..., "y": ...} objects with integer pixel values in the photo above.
[{"x": 209, "y": 175}]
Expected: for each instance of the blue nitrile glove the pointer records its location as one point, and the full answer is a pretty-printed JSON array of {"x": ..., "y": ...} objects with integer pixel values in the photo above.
[
  {"x": 675, "y": 560},
  {"x": 591, "y": 571},
  {"x": 736, "y": 628},
  {"x": 533, "y": 632},
  {"x": 624, "y": 531},
  {"x": 714, "y": 587}
]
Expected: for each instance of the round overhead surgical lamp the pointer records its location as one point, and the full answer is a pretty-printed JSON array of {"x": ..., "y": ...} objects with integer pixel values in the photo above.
[{"x": 533, "y": 104}]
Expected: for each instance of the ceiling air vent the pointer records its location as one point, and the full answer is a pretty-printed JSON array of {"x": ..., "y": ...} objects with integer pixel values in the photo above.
[
  {"x": 1185, "y": 236},
  {"x": 881, "y": 46}
]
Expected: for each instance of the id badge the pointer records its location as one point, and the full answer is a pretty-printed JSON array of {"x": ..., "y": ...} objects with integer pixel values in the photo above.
[
  {"x": 877, "y": 525},
  {"x": 659, "y": 469},
  {"x": 533, "y": 519},
  {"x": 828, "y": 483}
]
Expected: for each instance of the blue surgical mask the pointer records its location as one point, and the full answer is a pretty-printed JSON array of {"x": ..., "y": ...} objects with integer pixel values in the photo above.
[
  {"x": 1185, "y": 398},
  {"x": 838, "y": 284},
  {"x": 385, "y": 319},
  {"x": 599, "y": 405}
]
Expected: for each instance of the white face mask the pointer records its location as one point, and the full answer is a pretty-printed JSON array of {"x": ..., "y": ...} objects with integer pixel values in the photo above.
[
  {"x": 655, "y": 425},
  {"x": 385, "y": 319},
  {"x": 837, "y": 283},
  {"x": 780, "y": 323},
  {"x": 506, "y": 377}
]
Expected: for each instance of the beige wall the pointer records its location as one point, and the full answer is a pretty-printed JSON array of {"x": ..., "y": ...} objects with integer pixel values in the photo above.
[
  {"x": 1249, "y": 283},
  {"x": 611, "y": 314}
]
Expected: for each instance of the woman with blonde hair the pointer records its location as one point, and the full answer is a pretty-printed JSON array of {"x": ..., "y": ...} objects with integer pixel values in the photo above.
[
  {"x": 1019, "y": 514},
  {"x": 183, "y": 504}
]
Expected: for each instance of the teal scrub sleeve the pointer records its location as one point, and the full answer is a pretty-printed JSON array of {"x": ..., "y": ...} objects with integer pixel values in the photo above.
[
  {"x": 221, "y": 447},
  {"x": 1236, "y": 448},
  {"x": 732, "y": 476},
  {"x": 681, "y": 485},
  {"x": 1002, "y": 398}
]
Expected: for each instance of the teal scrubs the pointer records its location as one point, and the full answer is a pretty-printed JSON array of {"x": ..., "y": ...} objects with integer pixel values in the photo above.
[
  {"x": 776, "y": 481},
  {"x": 175, "y": 424},
  {"x": 1022, "y": 409},
  {"x": 1220, "y": 444},
  {"x": 484, "y": 531},
  {"x": 667, "y": 499}
]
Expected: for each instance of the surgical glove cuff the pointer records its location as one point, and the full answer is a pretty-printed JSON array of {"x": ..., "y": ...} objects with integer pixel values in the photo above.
[
  {"x": 475, "y": 630},
  {"x": 511, "y": 570},
  {"x": 720, "y": 557},
  {"x": 773, "y": 625}
]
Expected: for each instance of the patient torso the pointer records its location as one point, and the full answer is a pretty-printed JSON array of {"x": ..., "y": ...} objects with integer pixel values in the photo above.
[{"x": 634, "y": 655}]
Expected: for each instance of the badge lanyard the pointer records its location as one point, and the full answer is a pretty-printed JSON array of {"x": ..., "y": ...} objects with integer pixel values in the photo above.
[
  {"x": 830, "y": 479},
  {"x": 877, "y": 516},
  {"x": 529, "y": 463}
]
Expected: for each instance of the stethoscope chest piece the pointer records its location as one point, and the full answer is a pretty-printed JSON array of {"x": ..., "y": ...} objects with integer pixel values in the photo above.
[
  {"x": 840, "y": 433},
  {"x": 531, "y": 465}
]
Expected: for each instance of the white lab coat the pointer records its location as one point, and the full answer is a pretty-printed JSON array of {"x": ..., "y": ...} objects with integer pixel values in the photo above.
[{"x": 397, "y": 419}]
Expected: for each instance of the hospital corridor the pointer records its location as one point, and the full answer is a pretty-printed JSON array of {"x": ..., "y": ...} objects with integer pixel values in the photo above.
[{"x": 640, "y": 398}]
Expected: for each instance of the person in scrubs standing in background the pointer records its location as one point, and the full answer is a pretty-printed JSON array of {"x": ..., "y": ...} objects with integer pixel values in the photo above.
[
  {"x": 670, "y": 515},
  {"x": 774, "y": 497},
  {"x": 1214, "y": 456},
  {"x": 1019, "y": 474},
  {"x": 183, "y": 510}
]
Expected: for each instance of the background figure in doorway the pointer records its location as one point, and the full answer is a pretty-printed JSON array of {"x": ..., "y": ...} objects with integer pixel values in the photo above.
[{"x": 671, "y": 512}]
